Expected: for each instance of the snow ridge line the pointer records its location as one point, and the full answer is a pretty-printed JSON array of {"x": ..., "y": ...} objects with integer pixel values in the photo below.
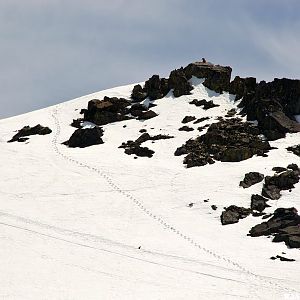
[{"x": 156, "y": 218}]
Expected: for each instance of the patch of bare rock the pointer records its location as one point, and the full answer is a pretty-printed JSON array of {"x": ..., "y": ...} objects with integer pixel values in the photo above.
[
  {"x": 134, "y": 147},
  {"x": 21, "y": 135},
  {"x": 228, "y": 140},
  {"x": 85, "y": 137}
]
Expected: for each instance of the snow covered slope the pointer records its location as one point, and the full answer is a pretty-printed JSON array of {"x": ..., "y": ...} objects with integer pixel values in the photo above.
[{"x": 95, "y": 223}]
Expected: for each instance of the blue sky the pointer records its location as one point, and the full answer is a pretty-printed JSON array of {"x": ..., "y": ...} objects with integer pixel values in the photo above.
[{"x": 52, "y": 51}]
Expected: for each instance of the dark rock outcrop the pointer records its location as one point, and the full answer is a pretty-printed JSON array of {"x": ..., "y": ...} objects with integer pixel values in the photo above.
[
  {"x": 258, "y": 203},
  {"x": 242, "y": 86},
  {"x": 134, "y": 147},
  {"x": 294, "y": 149},
  {"x": 282, "y": 181},
  {"x": 108, "y": 110},
  {"x": 272, "y": 104},
  {"x": 251, "y": 178},
  {"x": 233, "y": 214},
  {"x": 188, "y": 119},
  {"x": 284, "y": 225},
  {"x": 228, "y": 140},
  {"x": 27, "y": 131},
  {"x": 186, "y": 128},
  {"x": 201, "y": 120},
  {"x": 204, "y": 103},
  {"x": 147, "y": 115},
  {"x": 179, "y": 83},
  {"x": 85, "y": 137},
  {"x": 217, "y": 78}
]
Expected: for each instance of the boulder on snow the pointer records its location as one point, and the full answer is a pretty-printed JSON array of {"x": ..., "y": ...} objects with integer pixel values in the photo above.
[
  {"x": 282, "y": 181},
  {"x": 108, "y": 110},
  {"x": 85, "y": 137},
  {"x": 233, "y": 214},
  {"x": 27, "y": 131},
  {"x": 251, "y": 178},
  {"x": 204, "y": 103},
  {"x": 188, "y": 119},
  {"x": 134, "y": 147},
  {"x": 258, "y": 203}
]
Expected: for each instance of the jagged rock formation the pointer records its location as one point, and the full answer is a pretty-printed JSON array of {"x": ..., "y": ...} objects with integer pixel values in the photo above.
[
  {"x": 284, "y": 225},
  {"x": 282, "y": 181},
  {"x": 272, "y": 104},
  {"x": 217, "y": 78},
  {"x": 228, "y": 140},
  {"x": 20, "y": 136},
  {"x": 109, "y": 110},
  {"x": 85, "y": 137},
  {"x": 258, "y": 203}
]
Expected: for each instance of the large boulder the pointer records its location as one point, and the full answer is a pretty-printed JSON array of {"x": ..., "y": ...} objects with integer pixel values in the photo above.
[
  {"x": 108, "y": 110},
  {"x": 233, "y": 214},
  {"x": 27, "y": 131},
  {"x": 217, "y": 78},
  {"x": 85, "y": 137},
  {"x": 251, "y": 178}
]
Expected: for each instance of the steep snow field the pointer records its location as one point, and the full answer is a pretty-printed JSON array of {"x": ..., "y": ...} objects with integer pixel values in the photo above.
[{"x": 95, "y": 223}]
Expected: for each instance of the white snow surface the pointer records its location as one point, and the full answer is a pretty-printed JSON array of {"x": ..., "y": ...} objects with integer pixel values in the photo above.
[{"x": 95, "y": 223}]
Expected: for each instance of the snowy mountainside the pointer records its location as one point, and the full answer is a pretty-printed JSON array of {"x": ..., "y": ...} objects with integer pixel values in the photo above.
[{"x": 96, "y": 223}]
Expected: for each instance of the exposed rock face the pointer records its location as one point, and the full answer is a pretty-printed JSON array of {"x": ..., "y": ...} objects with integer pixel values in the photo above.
[
  {"x": 282, "y": 181},
  {"x": 179, "y": 83},
  {"x": 85, "y": 137},
  {"x": 242, "y": 86},
  {"x": 272, "y": 104},
  {"x": 138, "y": 93},
  {"x": 284, "y": 224},
  {"x": 258, "y": 203},
  {"x": 251, "y": 178},
  {"x": 294, "y": 149},
  {"x": 228, "y": 140},
  {"x": 233, "y": 214},
  {"x": 204, "y": 103},
  {"x": 217, "y": 78},
  {"x": 108, "y": 110},
  {"x": 27, "y": 131},
  {"x": 156, "y": 87},
  {"x": 134, "y": 147}
]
